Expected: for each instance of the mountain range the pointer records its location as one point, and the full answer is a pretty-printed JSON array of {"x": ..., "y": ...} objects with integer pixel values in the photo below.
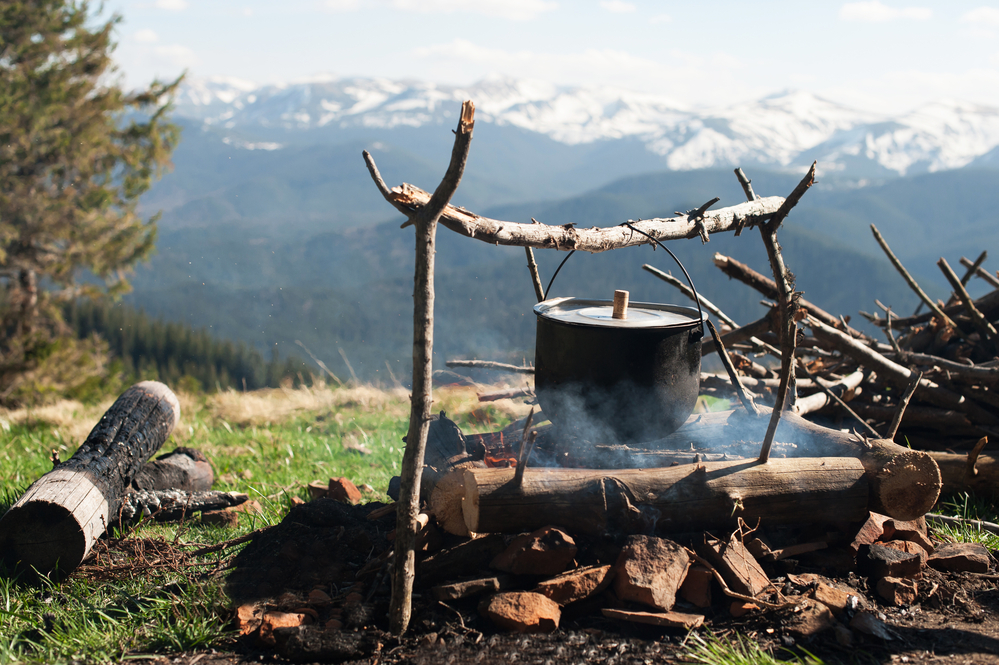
[{"x": 273, "y": 233}]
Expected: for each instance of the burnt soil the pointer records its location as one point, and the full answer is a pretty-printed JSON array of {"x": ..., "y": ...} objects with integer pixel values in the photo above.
[{"x": 334, "y": 547}]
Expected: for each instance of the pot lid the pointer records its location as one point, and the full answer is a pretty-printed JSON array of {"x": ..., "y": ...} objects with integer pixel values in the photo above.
[{"x": 598, "y": 313}]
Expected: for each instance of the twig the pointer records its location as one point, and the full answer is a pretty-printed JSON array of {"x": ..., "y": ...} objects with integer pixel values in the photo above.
[
  {"x": 910, "y": 280},
  {"x": 891, "y": 336},
  {"x": 685, "y": 290},
  {"x": 527, "y": 425},
  {"x": 991, "y": 527},
  {"x": 697, "y": 216},
  {"x": 512, "y": 393},
  {"x": 229, "y": 543},
  {"x": 747, "y": 185},
  {"x": 836, "y": 398},
  {"x": 319, "y": 362},
  {"x": 972, "y": 269},
  {"x": 986, "y": 329},
  {"x": 489, "y": 364},
  {"x": 347, "y": 363},
  {"x": 532, "y": 266},
  {"x": 526, "y": 448},
  {"x": 787, "y": 307},
  {"x": 903, "y": 402},
  {"x": 744, "y": 396},
  {"x": 425, "y": 220},
  {"x": 973, "y": 456},
  {"x": 982, "y": 273}
]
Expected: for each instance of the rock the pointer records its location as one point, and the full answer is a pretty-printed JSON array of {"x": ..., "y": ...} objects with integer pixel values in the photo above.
[
  {"x": 870, "y": 532},
  {"x": 220, "y": 518},
  {"x": 650, "y": 570},
  {"x": 318, "y": 489},
  {"x": 740, "y": 608},
  {"x": 665, "y": 619},
  {"x": 297, "y": 501},
  {"x": 811, "y": 620},
  {"x": 250, "y": 507},
  {"x": 910, "y": 547},
  {"x": 835, "y": 599},
  {"x": 736, "y": 565},
  {"x": 468, "y": 558},
  {"x": 522, "y": 612},
  {"x": 696, "y": 587},
  {"x": 913, "y": 531},
  {"x": 248, "y": 618},
  {"x": 319, "y": 598},
  {"x": 897, "y": 590},
  {"x": 273, "y": 620},
  {"x": 575, "y": 585},
  {"x": 844, "y": 637},
  {"x": 961, "y": 557},
  {"x": 888, "y": 562},
  {"x": 341, "y": 489},
  {"x": 547, "y": 551},
  {"x": 467, "y": 589}
]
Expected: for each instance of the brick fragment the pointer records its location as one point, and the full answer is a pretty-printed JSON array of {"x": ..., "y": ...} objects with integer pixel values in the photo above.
[
  {"x": 650, "y": 570},
  {"x": 318, "y": 489},
  {"x": 576, "y": 585},
  {"x": 547, "y": 551},
  {"x": 664, "y": 619},
  {"x": 961, "y": 557},
  {"x": 736, "y": 565},
  {"x": 870, "y": 532},
  {"x": 835, "y": 599},
  {"x": 813, "y": 618},
  {"x": 466, "y": 589},
  {"x": 248, "y": 618},
  {"x": 696, "y": 587},
  {"x": 274, "y": 620},
  {"x": 522, "y": 612},
  {"x": 897, "y": 590},
  {"x": 220, "y": 518},
  {"x": 889, "y": 562},
  {"x": 910, "y": 547},
  {"x": 342, "y": 489}
]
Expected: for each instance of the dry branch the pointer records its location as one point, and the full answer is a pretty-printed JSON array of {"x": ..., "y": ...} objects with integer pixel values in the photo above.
[{"x": 981, "y": 272}]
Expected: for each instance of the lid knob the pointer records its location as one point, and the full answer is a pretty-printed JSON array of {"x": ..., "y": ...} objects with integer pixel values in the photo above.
[{"x": 620, "y": 305}]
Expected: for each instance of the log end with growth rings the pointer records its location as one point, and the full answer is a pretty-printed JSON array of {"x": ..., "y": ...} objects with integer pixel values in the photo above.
[{"x": 907, "y": 486}]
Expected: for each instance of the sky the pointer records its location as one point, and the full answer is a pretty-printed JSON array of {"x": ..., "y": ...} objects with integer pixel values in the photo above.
[{"x": 878, "y": 55}]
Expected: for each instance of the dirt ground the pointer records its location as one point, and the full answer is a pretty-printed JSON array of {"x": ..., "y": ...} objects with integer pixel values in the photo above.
[{"x": 331, "y": 546}]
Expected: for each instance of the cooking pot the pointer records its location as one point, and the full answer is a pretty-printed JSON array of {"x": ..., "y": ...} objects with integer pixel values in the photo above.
[{"x": 618, "y": 380}]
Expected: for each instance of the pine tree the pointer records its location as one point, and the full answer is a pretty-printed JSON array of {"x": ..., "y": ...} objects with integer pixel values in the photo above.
[{"x": 76, "y": 152}]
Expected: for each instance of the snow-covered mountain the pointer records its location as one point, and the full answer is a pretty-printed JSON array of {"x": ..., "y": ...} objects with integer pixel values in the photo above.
[{"x": 786, "y": 131}]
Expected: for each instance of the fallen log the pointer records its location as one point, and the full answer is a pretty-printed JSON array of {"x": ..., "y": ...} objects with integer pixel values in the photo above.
[
  {"x": 168, "y": 505},
  {"x": 980, "y": 478},
  {"x": 53, "y": 526},
  {"x": 184, "y": 469},
  {"x": 676, "y": 499},
  {"x": 904, "y": 483}
]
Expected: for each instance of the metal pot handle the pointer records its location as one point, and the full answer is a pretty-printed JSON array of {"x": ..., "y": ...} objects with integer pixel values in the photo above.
[{"x": 697, "y": 299}]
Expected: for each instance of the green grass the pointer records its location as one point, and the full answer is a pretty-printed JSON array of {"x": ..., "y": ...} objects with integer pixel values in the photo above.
[
  {"x": 269, "y": 444},
  {"x": 711, "y": 649},
  {"x": 969, "y": 507}
]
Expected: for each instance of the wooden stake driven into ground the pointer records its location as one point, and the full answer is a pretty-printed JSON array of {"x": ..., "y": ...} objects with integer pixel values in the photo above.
[
  {"x": 425, "y": 220},
  {"x": 53, "y": 526}
]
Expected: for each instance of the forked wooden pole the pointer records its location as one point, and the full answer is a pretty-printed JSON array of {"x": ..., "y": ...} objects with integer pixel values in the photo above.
[{"x": 425, "y": 221}]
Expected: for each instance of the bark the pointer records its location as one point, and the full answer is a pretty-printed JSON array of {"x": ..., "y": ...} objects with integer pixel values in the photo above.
[{"x": 53, "y": 526}]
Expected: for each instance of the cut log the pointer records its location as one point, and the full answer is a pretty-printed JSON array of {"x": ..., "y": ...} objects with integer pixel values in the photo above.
[
  {"x": 184, "y": 469},
  {"x": 958, "y": 475},
  {"x": 675, "y": 499},
  {"x": 53, "y": 526}
]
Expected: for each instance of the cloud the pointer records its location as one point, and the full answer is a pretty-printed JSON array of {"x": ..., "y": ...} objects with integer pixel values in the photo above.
[
  {"x": 982, "y": 16},
  {"x": 171, "y": 5},
  {"x": 618, "y": 6},
  {"x": 175, "y": 55},
  {"x": 875, "y": 12},
  {"x": 661, "y": 18},
  {"x": 146, "y": 36},
  {"x": 514, "y": 10}
]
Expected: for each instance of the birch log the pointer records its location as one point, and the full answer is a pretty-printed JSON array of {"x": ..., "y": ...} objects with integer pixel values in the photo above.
[{"x": 54, "y": 525}]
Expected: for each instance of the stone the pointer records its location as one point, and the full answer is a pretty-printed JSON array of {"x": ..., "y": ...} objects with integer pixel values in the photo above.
[
  {"x": 736, "y": 565},
  {"x": 870, "y": 532},
  {"x": 297, "y": 501},
  {"x": 319, "y": 598},
  {"x": 888, "y": 562},
  {"x": 251, "y": 507},
  {"x": 522, "y": 612},
  {"x": 318, "y": 489},
  {"x": 844, "y": 636},
  {"x": 961, "y": 557},
  {"x": 248, "y": 618},
  {"x": 664, "y": 619},
  {"x": 547, "y": 551},
  {"x": 696, "y": 587},
  {"x": 913, "y": 531},
  {"x": 220, "y": 518},
  {"x": 576, "y": 585},
  {"x": 466, "y": 589},
  {"x": 650, "y": 570},
  {"x": 813, "y": 618},
  {"x": 897, "y": 591},
  {"x": 910, "y": 547},
  {"x": 740, "y": 608},
  {"x": 837, "y": 600},
  {"x": 343, "y": 490},
  {"x": 274, "y": 620}
]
